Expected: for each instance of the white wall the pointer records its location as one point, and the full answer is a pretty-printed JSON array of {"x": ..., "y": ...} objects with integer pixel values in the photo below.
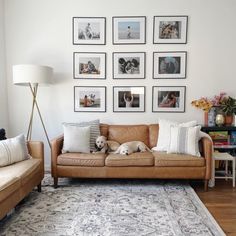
[
  {"x": 40, "y": 31},
  {"x": 3, "y": 87}
]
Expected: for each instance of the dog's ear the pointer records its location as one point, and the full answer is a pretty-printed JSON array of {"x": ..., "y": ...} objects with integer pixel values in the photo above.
[
  {"x": 104, "y": 137},
  {"x": 96, "y": 146}
]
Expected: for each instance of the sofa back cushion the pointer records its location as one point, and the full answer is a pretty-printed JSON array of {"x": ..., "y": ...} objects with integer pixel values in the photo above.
[
  {"x": 127, "y": 133},
  {"x": 153, "y": 134}
]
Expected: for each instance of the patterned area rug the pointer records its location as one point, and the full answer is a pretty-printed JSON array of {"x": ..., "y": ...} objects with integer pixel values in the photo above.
[{"x": 111, "y": 207}]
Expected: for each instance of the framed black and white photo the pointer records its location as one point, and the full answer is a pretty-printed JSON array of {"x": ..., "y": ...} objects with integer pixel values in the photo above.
[
  {"x": 89, "y": 99},
  {"x": 89, "y": 30},
  {"x": 168, "y": 98},
  {"x": 128, "y": 99},
  {"x": 127, "y": 65},
  {"x": 129, "y": 30},
  {"x": 170, "y": 29},
  {"x": 89, "y": 65},
  {"x": 169, "y": 65}
]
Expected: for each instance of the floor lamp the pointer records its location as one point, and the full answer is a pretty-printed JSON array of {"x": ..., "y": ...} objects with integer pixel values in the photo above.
[{"x": 33, "y": 76}]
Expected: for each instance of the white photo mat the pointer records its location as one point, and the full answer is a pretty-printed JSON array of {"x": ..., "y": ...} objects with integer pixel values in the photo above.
[
  {"x": 129, "y": 30},
  {"x": 182, "y": 31},
  {"x": 127, "y": 56},
  {"x": 159, "y": 93},
  {"x": 138, "y": 93},
  {"x": 182, "y": 62},
  {"x": 95, "y": 99},
  {"x": 98, "y": 61}
]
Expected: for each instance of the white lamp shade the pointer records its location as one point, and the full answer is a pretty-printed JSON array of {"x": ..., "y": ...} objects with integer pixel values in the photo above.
[{"x": 34, "y": 74}]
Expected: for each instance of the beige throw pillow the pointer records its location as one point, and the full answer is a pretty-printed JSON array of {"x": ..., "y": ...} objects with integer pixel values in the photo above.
[
  {"x": 76, "y": 139},
  {"x": 13, "y": 150},
  {"x": 184, "y": 140}
]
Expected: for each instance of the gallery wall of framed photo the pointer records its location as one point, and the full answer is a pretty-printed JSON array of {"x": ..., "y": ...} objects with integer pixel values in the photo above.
[{"x": 127, "y": 75}]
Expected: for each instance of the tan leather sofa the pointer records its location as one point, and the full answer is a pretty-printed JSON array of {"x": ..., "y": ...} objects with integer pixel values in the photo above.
[
  {"x": 18, "y": 179},
  {"x": 137, "y": 165}
]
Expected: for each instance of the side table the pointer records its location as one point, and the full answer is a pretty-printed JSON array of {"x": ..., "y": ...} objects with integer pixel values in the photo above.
[{"x": 224, "y": 156}]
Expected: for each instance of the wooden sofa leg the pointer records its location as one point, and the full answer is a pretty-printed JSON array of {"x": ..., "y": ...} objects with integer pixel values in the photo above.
[
  {"x": 39, "y": 187},
  {"x": 55, "y": 182},
  {"x": 206, "y": 185}
]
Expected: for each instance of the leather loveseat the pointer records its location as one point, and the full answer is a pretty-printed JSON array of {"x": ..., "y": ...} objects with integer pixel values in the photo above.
[
  {"x": 155, "y": 165},
  {"x": 18, "y": 179}
]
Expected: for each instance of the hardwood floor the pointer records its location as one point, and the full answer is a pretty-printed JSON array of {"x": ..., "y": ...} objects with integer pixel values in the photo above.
[{"x": 221, "y": 202}]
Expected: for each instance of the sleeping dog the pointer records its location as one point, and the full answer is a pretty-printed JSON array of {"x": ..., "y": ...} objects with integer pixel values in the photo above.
[
  {"x": 102, "y": 145},
  {"x": 131, "y": 147}
]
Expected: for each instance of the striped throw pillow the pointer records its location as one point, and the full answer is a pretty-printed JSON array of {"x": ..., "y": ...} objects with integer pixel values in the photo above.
[
  {"x": 184, "y": 140},
  {"x": 94, "y": 130},
  {"x": 13, "y": 150}
]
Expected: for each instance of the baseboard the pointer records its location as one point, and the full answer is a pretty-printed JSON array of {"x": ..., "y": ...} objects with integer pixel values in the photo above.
[{"x": 47, "y": 169}]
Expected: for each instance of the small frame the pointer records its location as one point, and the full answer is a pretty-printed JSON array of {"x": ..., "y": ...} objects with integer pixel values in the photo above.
[
  {"x": 89, "y": 30},
  {"x": 127, "y": 65},
  {"x": 129, "y": 30},
  {"x": 89, "y": 65},
  {"x": 168, "y": 98},
  {"x": 170, "y": 29},
  {"x": 128, "y": 99},
  {"x": 169, "y": 65},
  {"x": 89, "y": 99}
]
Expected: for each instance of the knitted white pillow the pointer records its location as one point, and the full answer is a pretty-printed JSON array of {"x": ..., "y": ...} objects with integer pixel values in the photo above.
[{"x": 13, "y": 150}]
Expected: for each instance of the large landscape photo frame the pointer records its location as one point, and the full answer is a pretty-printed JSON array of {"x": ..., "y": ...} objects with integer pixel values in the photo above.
[
  {"x": 170, "y": 29},
  {"x": 89, "y": 65},
  {"x": 89, "y": 30},
  {"x": 168, "y": 98},
  {"x": 89, "y": 98},
  {"x": 129, "y": 29},
  {"x": 169, "y": 65},
  {"x": 129, "y": 65},
  {"x": 128, "y": 99}
]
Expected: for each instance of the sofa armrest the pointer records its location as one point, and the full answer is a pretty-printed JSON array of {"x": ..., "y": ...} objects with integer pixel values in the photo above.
[
  {"x": 36, "y": 149},
  {"x": 56, "y": 146},
  {"x": 207, "y": 149}
]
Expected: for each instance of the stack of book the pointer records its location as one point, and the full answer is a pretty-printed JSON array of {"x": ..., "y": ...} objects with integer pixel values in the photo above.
[
  {"x": 220, "y": 138},
  {"x": 233, "y": 138}
]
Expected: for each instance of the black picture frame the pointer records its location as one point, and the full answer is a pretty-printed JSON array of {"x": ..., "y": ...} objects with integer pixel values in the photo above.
[
  {"x": 92, "y": 105},
  {"x": 173, "y": 33},
  {"x": 136, "y": 102},
  {"x": 97, "y": 68},
  {"x": 169, "y": 65},
  {"x": 138, "y": 22},
  {"x": 165, "y": 98},
  {"x": 128, "y": 69},
  {"x": 79, "y": 37}
]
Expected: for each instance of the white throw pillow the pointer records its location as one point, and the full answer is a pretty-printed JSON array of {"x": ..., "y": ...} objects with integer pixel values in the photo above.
[
  {"x": 76, "y": 139},
  {"x": 164, "y": 133},
  {"x": 184, "y": 140},
  {"x": 94, "y": 130},
  {"x": 13, "y": 150}
]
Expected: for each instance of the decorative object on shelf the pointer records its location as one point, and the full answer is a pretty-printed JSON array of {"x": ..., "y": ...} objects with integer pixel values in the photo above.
[
  {"x": 33, "y": 76},
  {"x": 228, "y": 106},
  {"x": 169, "y": 65},
  {"x": 128, "y": 65},
  {"x": 210, "y": 107},
  {"x": 129, "y": 30},
  {"x": 89, "y": 30},
  {"x": 170, "y": 29},
  {"x": 89, "y": 98},
  {"x": 220, "y": 119},
  {"x": 128, "y": 99},
  {"x": 168, "y": 98},
  {"x": 89, "y": 65}
]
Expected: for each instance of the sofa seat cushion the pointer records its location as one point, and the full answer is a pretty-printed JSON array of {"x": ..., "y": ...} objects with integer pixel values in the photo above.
[
  {"x": 81, "y": 159},
  {"x": 162, "y": 159},
  {"x": 23, "y": 170},
  {"x": 8, "y": 185},
  {"x": 134, "y": 159}
]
